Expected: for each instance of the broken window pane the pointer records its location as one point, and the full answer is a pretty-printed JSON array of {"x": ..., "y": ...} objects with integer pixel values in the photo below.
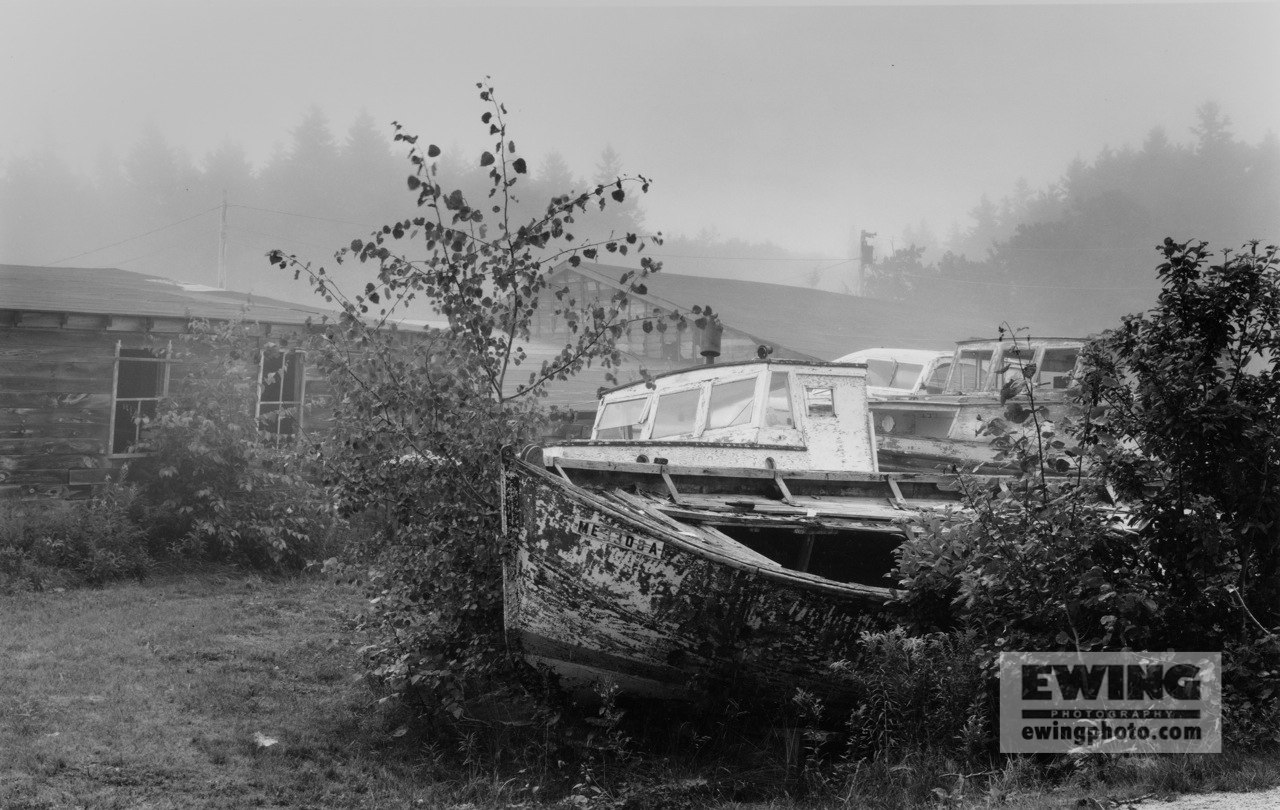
[
  {"x": 818, "y": 401},
  {"x": 140, "y": 380}
]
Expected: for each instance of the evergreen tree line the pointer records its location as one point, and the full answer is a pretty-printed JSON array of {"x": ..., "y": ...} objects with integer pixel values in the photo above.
[
  {"x": 1072, "y": 258},
  {"x": 156, "y": 210}
]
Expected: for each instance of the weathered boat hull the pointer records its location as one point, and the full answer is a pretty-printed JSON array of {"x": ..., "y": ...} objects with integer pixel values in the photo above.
[{"x": 598, "y": 594}]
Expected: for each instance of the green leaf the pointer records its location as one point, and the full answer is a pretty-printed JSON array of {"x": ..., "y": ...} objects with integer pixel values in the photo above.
[
  {"x": 486, "y": 159},
  {"x": 619, "y": 195},
  {"x": 433, "y": 151},
  {"x": 518, "y": 165}
]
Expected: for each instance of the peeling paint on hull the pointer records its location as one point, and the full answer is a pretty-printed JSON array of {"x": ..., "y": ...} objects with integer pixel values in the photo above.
[{"x": 597, "y": 592}]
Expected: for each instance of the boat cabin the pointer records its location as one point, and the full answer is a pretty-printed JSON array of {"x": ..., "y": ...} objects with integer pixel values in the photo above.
[
  {"x": 902, "y": 372},
  {"x": 984, "y": 366},
  {"x": 785, "y": 414}
]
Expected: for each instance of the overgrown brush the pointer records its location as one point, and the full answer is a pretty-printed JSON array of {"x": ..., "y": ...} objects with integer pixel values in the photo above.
[
  {"x": 920, "y": 694},
  {"x": 60, "y": 544},
  {"x": 214, "y": 486}
]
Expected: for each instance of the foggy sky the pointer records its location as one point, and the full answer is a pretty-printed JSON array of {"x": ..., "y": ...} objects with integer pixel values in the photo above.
[{"x": 792, "y": 125}]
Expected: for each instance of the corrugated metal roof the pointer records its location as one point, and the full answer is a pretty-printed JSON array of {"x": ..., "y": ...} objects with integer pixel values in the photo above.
[
  {"x": 109, "y": 291},
  {"x": 816, "y": 322}
]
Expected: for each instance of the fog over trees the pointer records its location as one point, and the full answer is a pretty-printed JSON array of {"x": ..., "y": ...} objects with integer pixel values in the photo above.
[{"x": 1068, "y": 258}]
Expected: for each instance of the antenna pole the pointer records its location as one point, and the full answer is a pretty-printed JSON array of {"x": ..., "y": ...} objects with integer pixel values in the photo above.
[{"x": 222, "y": 245}]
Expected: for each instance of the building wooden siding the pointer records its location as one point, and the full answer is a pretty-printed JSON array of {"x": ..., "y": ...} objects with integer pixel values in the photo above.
[{"x": 57, "y": 396}]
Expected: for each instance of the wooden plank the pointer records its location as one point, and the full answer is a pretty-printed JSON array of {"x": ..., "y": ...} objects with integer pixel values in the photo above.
[
  {"x": 70, "y": 400},
  {"x": 23, "y": 338},
  {"x": 32, "y": 493},
  {"x": 98, "y": 476},
  {"x": 20, "y": 356},
  {"x": 47, "y": 462},
  {"x": 55, "y": 432},
  {"x": 74, "y": 383},
  {"x": 68, "y": 368},
  {"x": 36, "y": 445},
  {"x": 33, "y": 477},
  {"x": 53, "y": 421}
]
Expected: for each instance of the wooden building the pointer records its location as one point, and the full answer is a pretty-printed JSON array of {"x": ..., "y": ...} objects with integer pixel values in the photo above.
[{"x": 85, "y": 351}]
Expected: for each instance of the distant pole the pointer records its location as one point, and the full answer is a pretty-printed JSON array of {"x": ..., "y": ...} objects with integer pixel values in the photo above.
[
  {"x": 866, "y": 257},
  {"x": 222, "y": 245}
]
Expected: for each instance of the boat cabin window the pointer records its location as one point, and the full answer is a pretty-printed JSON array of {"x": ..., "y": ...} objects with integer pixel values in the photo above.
[
  {"x": 1057, "y": 365},
  {"x": 970, "y": 372},
  {"x": 818, "y": 401},
  {"x": 622, "y": 419},
  {"x": 937, "y": 381},
  {"x": 778, "y": 407},
  {"x": 1013, "y": 359},
  {"x": 676, "y": 413},
  {"x": 732, "y": 403}
]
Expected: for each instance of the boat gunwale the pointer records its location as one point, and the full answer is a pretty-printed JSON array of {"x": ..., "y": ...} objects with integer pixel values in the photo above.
[
  {"x": 651, "y": 468},
  {"x": 731, "y": 364},
  {"x": 786, "y": 576}
]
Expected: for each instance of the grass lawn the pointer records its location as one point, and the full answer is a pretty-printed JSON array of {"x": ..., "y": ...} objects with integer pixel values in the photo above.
[
  {"x": 217, "y": 691},
  {"x": 162, "y": 695}
]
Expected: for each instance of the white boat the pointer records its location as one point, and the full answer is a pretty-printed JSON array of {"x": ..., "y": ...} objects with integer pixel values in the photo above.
[{"x": 990, "y": 385}]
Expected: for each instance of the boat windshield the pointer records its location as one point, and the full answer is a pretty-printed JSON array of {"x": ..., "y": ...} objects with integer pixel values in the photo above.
[
  {"x": 892, "y": 374},
  {"x": 622, "y": 419}
]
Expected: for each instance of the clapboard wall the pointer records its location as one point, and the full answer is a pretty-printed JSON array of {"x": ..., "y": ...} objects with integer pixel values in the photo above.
[{"x": 57, "y": 378}]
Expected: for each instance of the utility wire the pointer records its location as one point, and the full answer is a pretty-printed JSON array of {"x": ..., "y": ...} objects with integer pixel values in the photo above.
[
  {"x": 132, "y": 238},
  {"x": 301, "y": 216},
  {"x": 1016, "y": 286}
]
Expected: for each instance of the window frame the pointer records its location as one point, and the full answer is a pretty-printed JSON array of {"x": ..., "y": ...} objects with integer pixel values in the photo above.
[
  {"x": 754, "y": 401},
  {"x": 283, "y": 407},
  {"x": 699, "y": 413},
  {"x": 165, "y": 359},
  {"x": 642, "y": 424}
]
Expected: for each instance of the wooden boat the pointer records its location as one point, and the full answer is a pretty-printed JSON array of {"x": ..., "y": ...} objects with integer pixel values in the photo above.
[
  {"x": 956, "y": 426},
  {"x": 725, "y": 527}
]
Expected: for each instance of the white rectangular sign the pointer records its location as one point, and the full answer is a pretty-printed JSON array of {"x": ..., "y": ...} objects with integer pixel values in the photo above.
[{"x": 1122, "y": 702}]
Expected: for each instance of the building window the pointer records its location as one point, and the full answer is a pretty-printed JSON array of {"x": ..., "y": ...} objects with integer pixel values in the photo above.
[
  {"x": 141, "y": 381},
  {"x": 281, "y": 383}
]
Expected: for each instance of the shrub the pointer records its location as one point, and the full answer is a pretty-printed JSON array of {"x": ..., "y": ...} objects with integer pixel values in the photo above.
[
  {"x": 50, "y": 544},
  {"x": 213, "y": 486}
]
